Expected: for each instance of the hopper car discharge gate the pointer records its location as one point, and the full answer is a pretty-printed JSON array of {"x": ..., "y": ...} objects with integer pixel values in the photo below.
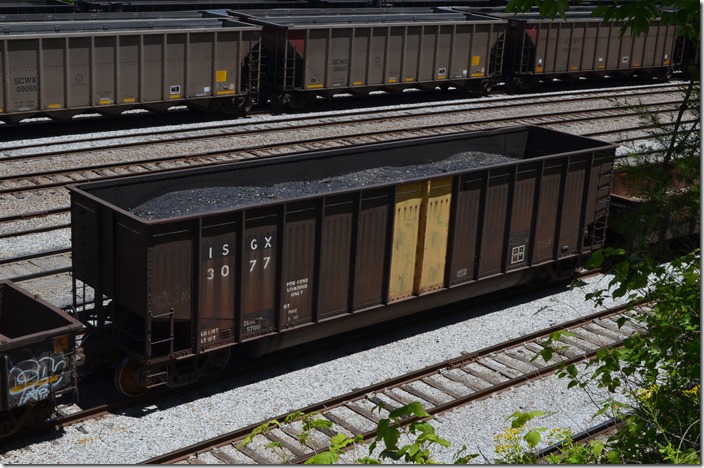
[{"x": 271, "y": 266}]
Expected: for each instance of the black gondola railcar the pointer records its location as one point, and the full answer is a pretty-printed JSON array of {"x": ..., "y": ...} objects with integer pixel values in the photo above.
[
  {"x": 186, "y": 283},
  {"x": 37, "y": 357}
]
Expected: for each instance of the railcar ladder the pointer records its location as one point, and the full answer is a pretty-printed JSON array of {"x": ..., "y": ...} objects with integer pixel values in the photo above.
[
  {"x": 254, "y": 72},
  {"x": 524, "y": 54},
  {"x": 601, "y": 208},
  {"x": 79, "y": 299},
  {"x": 89, "y": 312},
  {"x": 170, "y": 339},
  {"x": 290, "y": 68},
  {"x": 496, "y": 57}
]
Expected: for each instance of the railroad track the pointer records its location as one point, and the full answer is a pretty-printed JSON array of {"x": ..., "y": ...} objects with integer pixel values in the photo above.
[
  {"x": 439, "y": 388},
  {"x": 35, "y": 149},
  {"x": 37, "y": 265},
  {"x": 18, "y": 179}
]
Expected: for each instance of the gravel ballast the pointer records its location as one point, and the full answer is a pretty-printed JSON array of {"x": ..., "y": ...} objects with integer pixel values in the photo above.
[{"x": 194, "y": 415}]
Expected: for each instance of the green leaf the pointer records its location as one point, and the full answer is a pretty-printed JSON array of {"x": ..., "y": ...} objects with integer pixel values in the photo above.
[
  {"x": 532, "y": 438},
  {"x": 381, "y": 428},
  {"x": 614, "y": 457},
  {"x": 521, "y": 418},
  {"x": 317, "y": 424},
  {"x": 414, "y": 408},
  {"x": 597, "y": 449},
  {"x": 340, "y": 441},
  {"x": 546, "y": 353},
  {"x": 596, "y": 260},
  {"x": 292, "y": 417},
  {"x": 368, "y": 461},
  {"x": 274, "y": 444},
  {"x": 391, "y": 437},
  {"x": 518, "y": 6},
  {"x": 323, "y": 458}
]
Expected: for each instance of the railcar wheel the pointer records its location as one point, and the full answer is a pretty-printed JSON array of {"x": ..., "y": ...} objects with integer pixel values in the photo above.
[
  {"x": 478, "y": 88},
  {"x": 44, "y": 409},
  {"x": 279, "y": 102},
  {"x": 521, "y": 83},
  {"x": 663, "y": 74},
  {"x": 126, "y": 380},
  {"x": 539, "y": 277},
  {"x": 244, "y": 105},
  {"x": 526, "y": 83},
  {"x": 563, "y": 270},
  {"x": 301, "y": 101},
  {"x": 215, "y": 362},
  {"x": 511, "y": 86}
]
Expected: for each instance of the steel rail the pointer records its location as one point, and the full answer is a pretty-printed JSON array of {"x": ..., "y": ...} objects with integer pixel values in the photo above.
[{"x": 592, "y": 433}]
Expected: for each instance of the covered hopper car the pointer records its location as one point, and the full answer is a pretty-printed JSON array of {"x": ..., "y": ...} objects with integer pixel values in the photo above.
[
  {"x": 113, "y": 66},
  {"x": 226, "y": 61},
  {"x": 270, "y": 253},
  {"x": 314, "y": 52},
  {"x": 539, "y": 49},
  {"x": 325, "y": 52},
  {"x": 37, "y": 357}
]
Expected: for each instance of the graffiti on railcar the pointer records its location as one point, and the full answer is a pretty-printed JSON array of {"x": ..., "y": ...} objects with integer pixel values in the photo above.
[{"x": 33, "y": 378}]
